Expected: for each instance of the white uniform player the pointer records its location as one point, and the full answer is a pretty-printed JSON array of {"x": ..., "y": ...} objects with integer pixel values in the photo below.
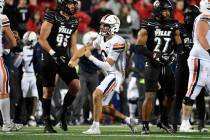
[
  {"x": 5, "y": 30},
  {"x": 114, "y": 49},
  {"x": 28, "y": 82},
  {"x": 198, "y": 63}
]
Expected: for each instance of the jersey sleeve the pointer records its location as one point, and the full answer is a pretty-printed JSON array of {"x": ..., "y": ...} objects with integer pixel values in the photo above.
[
  {"x": 50, "y": 16},
  {"x": 5, "y": 21},
  {"x": 96, "y": 43},
  {"x": 117, "y": 48}
]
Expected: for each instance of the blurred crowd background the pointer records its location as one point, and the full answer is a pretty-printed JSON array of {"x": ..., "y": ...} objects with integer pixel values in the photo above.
[{"x": 27, "y": 15}]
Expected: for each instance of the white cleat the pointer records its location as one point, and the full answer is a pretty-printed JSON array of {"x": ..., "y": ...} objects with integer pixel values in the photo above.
[
  {"x": 8, "y": 127},
  {"x": 186, "y": 127},
  {"x": 18, "y": 126},
  {"x": 131, "y": 123},
  {"x": 93, "y": 131}
]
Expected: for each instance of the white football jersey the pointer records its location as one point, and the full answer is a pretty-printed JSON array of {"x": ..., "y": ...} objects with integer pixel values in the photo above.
[
  {"x": 4, "y": 21},
  {"x": 27, "y": 59},
  {"x": 114, "y": 48},
  {"x": 198, "y": 51}
]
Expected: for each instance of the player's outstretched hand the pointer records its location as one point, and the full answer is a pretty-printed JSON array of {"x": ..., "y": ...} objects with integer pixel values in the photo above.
[
  {"x": 87, "y": 52},
  {"x": 72, "y": 63}
]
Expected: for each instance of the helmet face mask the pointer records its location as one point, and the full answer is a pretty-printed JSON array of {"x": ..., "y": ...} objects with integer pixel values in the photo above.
[
  {"x": 109, "y": 25},
  {"x": 105, "y": 29},
  {"x": 70, "y": 7}
]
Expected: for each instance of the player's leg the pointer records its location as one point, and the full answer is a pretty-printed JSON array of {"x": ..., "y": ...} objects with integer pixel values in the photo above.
[
  {"x": 132, "y": 96},
  {"x": 200, "y": 106},
  {"x": 167, "y": 92},
  {"x": 48, "y": 74},
  {"x": 105, "y": 88},
  {"x": 4, "y": 98},
  {"x": 34, "y": 96},
  {"x": 131, "y": 122},
  {"x": 181, "y": 81},
  {"x": 71, "y": 78},
  {"x": 151, "y": 79},
  {"x": 197, "y": 80}
]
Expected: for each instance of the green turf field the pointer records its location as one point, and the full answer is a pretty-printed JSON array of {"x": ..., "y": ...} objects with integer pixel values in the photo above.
[{"x": 108, "y": 133}]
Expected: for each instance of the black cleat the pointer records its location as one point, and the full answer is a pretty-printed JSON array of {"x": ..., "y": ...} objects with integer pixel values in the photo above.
[
  {"x": 166, "y": 127},
  {"x": 145, "y": 130},
  {"x": 48, "y": 127},
  {"x": 175, "y": 127},
  {"x": 64, "y": 125}
]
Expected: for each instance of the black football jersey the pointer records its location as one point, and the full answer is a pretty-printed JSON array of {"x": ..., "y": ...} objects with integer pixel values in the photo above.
[
  {"x": 186, "y": 36},
  {"x": 160, "y": 36},
  {"x": 60, "y": 36}
]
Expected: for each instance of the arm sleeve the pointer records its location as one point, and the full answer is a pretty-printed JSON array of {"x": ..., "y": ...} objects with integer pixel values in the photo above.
[
  {"x": 18, "y": 60},
  {"x": 103, "y": 65}
]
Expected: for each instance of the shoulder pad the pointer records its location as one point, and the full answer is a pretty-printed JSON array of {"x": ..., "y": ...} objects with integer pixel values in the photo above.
[
  {"x": 147, "y": 23},
  {"x": 50, "y": 16}
]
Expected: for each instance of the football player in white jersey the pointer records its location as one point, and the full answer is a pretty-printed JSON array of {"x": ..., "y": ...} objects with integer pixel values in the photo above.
[
  {"x": 198, "y": 63},
  {"x": 112, "y": 48},
  {"x": 8, "y": 125},
  {"x": 28, "y": 82}
]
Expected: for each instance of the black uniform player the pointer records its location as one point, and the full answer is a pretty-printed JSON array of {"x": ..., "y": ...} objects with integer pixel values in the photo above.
[
  {"x": 58, "y": 38},
  {"x": 158, "y": 39},
  {"x": 182, "y": 70}
]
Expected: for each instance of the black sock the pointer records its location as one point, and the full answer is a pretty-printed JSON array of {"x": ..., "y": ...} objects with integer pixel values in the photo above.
[
  {"x": 68, "y": 100},
  {"x": 145, "y": 123},
  {"x": 164, "y": 115},
  {"x": 46, "y": 105}
]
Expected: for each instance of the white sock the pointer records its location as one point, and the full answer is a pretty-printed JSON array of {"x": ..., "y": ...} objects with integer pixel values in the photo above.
[
  {"x": 5, "y": 110},
  {"x": 132, "y": 109},
  {"x": 96, "y": 124}
]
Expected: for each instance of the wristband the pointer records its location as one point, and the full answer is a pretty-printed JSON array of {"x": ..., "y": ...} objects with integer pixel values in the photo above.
[{"x": 51, "y": 52}]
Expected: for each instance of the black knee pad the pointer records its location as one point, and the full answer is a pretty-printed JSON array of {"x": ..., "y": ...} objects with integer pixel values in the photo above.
[
  {"x": 188, "y": 101},
  {"x": 133, "y": 101}
]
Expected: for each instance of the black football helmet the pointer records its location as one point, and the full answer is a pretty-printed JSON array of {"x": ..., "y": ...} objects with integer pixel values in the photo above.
[
  {"x": 160, "y": 6},
  {"x": 190, "y": 13},
  {"x": 62, "y": 5}
]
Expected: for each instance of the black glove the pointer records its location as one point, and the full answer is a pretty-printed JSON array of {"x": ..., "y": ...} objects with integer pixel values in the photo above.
[
  {"x": 157, "y": 56},
  {"x": 59, "y": 59},
  {"x": 208, "y": 51},
  {"x": 168, "y": 58}
]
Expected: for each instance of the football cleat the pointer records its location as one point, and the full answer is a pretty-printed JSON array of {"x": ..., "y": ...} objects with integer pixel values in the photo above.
[
  {"x": 131, "y": 123},
  {"x": 93, "y": 131}
]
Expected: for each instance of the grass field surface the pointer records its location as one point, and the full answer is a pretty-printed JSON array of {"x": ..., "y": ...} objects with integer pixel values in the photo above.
[{"x": 119, "y": 132}]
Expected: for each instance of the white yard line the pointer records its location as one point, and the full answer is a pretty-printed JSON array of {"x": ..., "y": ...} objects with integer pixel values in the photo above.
[{"x": 81, "y": 135}]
